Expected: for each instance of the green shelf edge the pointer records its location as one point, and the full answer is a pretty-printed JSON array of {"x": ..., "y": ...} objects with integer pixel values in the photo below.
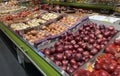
[
  {"x": 43, "y": 65},
  {"x": 84, "y": 5}
]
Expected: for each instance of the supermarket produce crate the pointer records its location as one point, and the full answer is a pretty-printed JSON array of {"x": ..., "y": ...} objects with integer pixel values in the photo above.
[{"x": 23, "y": 34}]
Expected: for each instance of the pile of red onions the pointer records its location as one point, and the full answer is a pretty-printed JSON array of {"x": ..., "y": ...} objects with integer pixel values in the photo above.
[{"x": 74, "y": 49}]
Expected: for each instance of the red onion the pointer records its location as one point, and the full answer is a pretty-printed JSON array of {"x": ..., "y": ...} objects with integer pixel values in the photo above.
[
  {"x": 65, "y": 62},
  {"x": 111, "y": 28},
  {"x": 87, "y": 29},
  {"x": 72, "y": 61},
  {"x": 106, "y": 34},
  {"x": 100, "y": 36},
  {"x": 66, "y": 47},
  {"x": 86, "y": 32},
  {"x": 68, "y": 54},
  {"x": 64, "y": 57},
  {"x": 86, "y": 38},
  {"x": 64, "y": 67},
  {"x": 67, "y": 43},
  {"x": 52, "y": 50},
  {"x": 70, "y": 70},
  {"x": 76, "y": 46},
  {"x": 94, "y": 51},
  {"x": 77, "y": 39},
  {"x": 117, "y": 41},
  {"x": 70, "y": 47},
  {"x": 89, "y": 47},
  {"x": 74, "y": 51},
  {"x": 80, "y": 50},
  {"x": 86, "y": 53},
  {"x": 98, "y": 47},
  {"x": 73, "y": 42},
  {"x": 76, "y": 34},
  {"x": 59, "y": 49},
  {"x": 59, "y": 56},
  {"x": 118, "y": 67},
  {"x": 91, "y": 41},
  {"x": 90, "y": 56},
  {"x": 97, "y": 32},
  {"x": 91, "y": 35},
  {"x": 52, "y": 58},
  {"x": 58, "y": 43},
  {"x": 99, "y": 41},
  {"x": 68, "y": 38},
  {"x": 47, "y": 52},
  {"x": 102, "y": 46},
  {"x": 58, "y": 63},
  {"x": 75, "y": 66},
  {"x": 78, "y": 57}
]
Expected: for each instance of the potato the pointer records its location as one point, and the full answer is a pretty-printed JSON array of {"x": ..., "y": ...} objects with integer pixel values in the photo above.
[{"x": 34, "y": 35}]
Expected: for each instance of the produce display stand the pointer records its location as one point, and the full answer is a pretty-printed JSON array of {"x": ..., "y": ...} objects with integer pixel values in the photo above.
[
  {"x": 30, "y": 53},
  {"x": 42, "y": 63}
]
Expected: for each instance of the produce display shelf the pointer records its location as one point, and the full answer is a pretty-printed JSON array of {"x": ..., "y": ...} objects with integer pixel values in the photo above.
[
  {"x": 30, "y": 52},
  {"x": 34, "y": 52},
  {"x": 46, "y": 66},
  {"x": 84, "y": 5}
]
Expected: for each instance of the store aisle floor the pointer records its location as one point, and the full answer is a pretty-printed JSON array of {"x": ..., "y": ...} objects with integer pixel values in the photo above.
[{"x": 8, "y": 64}]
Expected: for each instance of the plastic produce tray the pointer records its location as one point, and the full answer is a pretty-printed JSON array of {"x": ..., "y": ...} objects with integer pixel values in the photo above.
[
  {"x": 56, "y": 24},
  {"x": 24, "y": 27},
  {"x": 75, "y": 24},
  {"x": 47, "y": 15},
  {"x": 26, "y": 31}
]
